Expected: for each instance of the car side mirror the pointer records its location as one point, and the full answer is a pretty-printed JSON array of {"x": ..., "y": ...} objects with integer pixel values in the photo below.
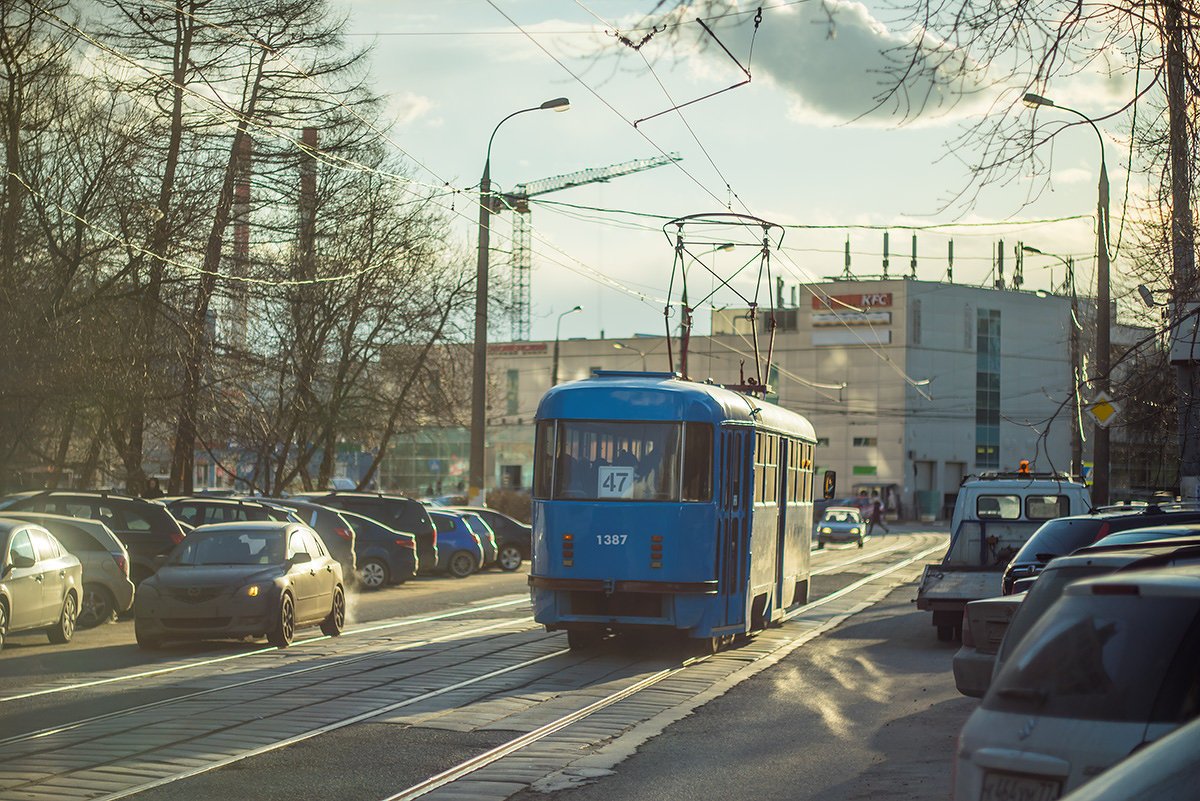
[
  {"x": 19, "y": 560},
  {"x": 300, "y": 558}
]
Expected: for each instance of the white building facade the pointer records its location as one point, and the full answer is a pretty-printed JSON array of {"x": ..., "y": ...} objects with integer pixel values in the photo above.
[{"x": 911, "y": 385}]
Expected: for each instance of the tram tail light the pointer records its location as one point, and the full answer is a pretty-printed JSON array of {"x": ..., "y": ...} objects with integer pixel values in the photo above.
[
  {"x": 656, "y": 551},
  {"x": 568, "y": 550}
]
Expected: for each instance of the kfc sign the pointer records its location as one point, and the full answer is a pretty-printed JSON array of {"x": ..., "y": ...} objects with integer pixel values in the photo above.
[{"x": 856, "y": 302}]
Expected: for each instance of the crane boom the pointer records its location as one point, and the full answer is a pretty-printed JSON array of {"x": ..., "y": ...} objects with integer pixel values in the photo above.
[{"x": 518, "y": 201}]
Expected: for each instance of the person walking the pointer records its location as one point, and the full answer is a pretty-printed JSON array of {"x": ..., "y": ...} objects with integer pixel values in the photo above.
[{"x": 876, "y": 518}]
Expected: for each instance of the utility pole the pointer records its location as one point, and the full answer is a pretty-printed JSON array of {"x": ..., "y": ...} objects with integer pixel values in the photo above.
[{"x": 1183, "y": 262}]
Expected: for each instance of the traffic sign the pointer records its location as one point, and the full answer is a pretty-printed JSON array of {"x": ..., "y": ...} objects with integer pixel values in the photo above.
[{"x": 1103, "y": 409}]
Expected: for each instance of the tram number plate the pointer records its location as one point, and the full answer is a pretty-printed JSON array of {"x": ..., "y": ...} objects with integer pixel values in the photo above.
[
  {"x": 615, "y": 482},
  {"x": 1010, "y": 787},
  {"x": 611, "y": 539}
]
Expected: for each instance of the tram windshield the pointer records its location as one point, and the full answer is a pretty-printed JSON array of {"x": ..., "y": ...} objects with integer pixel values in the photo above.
[{"x": 631, "y": 461}]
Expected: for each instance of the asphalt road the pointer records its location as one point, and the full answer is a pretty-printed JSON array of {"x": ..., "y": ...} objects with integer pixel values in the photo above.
[{"x": 866, "y": 712}]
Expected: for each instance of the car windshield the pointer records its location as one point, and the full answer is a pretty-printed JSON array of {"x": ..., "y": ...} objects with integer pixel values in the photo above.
[
  {"x": 1059, "y": 537},
  {"x": 230, "y": 548},
  {"x": 840, "y": 516},
  {"x": 1045, "y": 591},
  {"x": 1106, "y": 657}
]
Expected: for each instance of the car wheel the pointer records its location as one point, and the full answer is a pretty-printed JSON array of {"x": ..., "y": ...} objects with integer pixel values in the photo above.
[
  {"x": 332, "y": 625},
  {"x": 61, "y": 631},
  {"x": 860, "y": 542},
  {"x": 3, "y": 624},
  {"x": 96, "y": 606},
  {"x": 285, "y": 627},
  {"x": 820, "y": 544},
  {"x": 461, "y": 565},
  {"x": 509, "y": 557},
  {"x": 373, "y": 573},
  {"x": 145, "y": 641}
]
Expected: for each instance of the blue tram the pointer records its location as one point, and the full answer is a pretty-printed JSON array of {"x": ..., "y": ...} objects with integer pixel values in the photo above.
[{"x": 660, "y": 503}]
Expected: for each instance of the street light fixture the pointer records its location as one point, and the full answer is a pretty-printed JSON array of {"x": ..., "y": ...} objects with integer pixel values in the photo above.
[
  {"x": 554, "y": 370},
  {"x": 479, "y": 351},
  {"x": 1100, "y": 447},
  {"x": 623, "y": 346}
]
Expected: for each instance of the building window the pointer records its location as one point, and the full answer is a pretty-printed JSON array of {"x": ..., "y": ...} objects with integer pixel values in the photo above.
[
  {"x": 987, "y": 388},
  {"x": 914, "y": 323},
  {"x": 866, "y": 442},
  {"x": 512, "y": 393},
  {"x": 822, "y": 442}
]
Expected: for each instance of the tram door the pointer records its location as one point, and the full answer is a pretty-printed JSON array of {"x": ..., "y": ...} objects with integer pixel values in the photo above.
[
  {"x": 781, "y": 499},
  {"x": 736, "y": 502}
]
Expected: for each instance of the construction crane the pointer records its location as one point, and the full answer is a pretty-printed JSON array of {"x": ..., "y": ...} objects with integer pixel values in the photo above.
[{"x": 518, "y": 202}]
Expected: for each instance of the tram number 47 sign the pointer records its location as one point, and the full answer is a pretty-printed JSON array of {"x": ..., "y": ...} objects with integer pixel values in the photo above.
[
  {"x": 615, "y": 482},
  {"x": 1103, "y": 409}
]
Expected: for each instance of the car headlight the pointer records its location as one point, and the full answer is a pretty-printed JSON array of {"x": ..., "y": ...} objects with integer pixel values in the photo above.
[
  {"x": 826, "y": 530},
  {"x": 854, "y": 530},
  {"x": 252, "y": 591}
]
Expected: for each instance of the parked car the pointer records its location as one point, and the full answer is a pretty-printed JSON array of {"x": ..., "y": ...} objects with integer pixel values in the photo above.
[
  {"x": 335, "y": 531},
  {"x": 1088, "y": 562},
  {"x": 394, "y": 511},
  {"x": 841, "y": 524},
  {"x": 385, "y": 556},
  {"x": 39, "y": 582},
  {"x": 106, "y": 590},
  {"x": 1140, "y": 536},
  {"x": 984, "y": 625},
  {"x": 1113, "y": 665},
  {"x": 250, "y": 579},
  {"x": 513, "y": 538},
  {"x": 1166, "y": 770},
  {"x": 145, "y": 528},
  {"x": 1066, "y": 535},
  {"x": 459, "y": 551},
  {"x": 205, "y": 511},
  {"x": 483, "y": 532}
]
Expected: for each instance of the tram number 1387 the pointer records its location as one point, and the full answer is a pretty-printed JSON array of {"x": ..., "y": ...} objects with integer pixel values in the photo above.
[{"x": 611, "y": 539}]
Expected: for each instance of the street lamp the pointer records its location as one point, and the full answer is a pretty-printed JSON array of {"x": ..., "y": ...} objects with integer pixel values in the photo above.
[
  {"x": 1100, "y": 447},
  {"x": 554, "y": 370},
  {"x": 623, "y": 346},
  {"x": 479, "y": 351},
  {"x": 1076, "y": 417}
]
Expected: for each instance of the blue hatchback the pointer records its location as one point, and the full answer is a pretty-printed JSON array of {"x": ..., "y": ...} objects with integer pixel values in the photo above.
[
  {"x": 459, "y": 551},
  {"x": 487, "y": 538}
]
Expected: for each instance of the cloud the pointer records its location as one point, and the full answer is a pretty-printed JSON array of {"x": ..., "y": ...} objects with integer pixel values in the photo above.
[
  {"x": 840, "y": 63},
  {"x": 408, "y": 107}
]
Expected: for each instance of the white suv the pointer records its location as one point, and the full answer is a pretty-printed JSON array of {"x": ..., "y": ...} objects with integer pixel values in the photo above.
[{"x": 1113, "y": 665}]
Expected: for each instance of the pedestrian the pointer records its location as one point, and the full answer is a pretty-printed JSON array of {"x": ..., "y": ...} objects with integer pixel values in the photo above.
[
  {"x": 153, "y": 490},
  {"x": 876, "y": 518}
]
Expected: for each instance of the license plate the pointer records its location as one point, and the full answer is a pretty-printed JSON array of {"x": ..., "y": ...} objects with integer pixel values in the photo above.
[{"x": 1012, "y": 787}]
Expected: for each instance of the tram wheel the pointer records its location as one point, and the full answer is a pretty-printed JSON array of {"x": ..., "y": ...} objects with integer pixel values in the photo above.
[{"x": 581, "y": 639}]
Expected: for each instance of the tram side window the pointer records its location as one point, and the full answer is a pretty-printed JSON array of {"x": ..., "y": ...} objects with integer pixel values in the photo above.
[
  {"x": 543, "y": 459},
  {"x": 697, "y": 462}
]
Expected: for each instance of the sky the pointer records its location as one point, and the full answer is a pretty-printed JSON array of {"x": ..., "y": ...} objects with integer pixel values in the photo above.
[{"x": 792, "y": 147}]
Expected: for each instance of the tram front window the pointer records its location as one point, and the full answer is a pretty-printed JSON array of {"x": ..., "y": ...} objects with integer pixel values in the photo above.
[{"x": 627, "y": 461}]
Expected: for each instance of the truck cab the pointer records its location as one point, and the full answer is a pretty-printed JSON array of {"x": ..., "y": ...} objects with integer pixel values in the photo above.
[{"x": 994, "y": 514}]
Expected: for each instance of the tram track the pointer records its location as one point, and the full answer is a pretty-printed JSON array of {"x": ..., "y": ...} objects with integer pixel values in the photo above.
[
  {"x": 357, "y": 631},
  {"x": 451, "y": 669},
  {"x": 517, "y": 744}
]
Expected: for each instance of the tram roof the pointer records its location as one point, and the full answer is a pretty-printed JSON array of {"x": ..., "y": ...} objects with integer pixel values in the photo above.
[{"x": 620, "y": 395}]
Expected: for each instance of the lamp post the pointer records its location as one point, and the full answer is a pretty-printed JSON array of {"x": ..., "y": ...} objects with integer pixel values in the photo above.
[
  {"x": 479, "y": 350},
  {"x": 623, "y": 346},
  {"x": 554, "y": 369},
  {"x": 1100, "y": 443},
  {"x": 1076, "y": 418}
]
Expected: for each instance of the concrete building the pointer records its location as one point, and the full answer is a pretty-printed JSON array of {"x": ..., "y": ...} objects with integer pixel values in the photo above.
[{"x": 911, "y": 384}]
